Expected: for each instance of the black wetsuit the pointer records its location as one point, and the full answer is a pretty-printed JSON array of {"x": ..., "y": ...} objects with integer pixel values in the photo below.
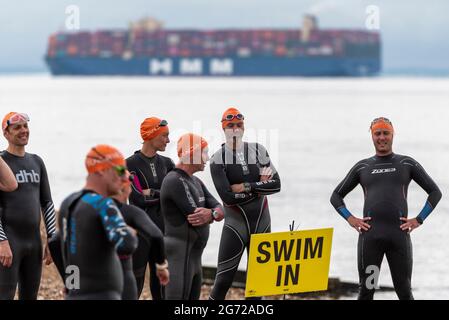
[
  {"x": 181, "y": 194},
  {"x": 148, "y": 174},
  {"x": 20, "y": 219},
  {"x": 137, "y": 219},
  {"x": 385, "y": 182},
  {"x": 245, "y": 213},
  {"x": 93, "y": 235}
]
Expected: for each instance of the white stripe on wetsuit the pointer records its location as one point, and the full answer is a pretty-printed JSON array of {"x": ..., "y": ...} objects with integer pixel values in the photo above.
[
  {"x": 2, "y": 233},
  {"x": 50, "y": 218}
]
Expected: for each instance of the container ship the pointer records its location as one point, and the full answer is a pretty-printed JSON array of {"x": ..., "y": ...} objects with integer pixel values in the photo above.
[{"x": 147, "y": 49}]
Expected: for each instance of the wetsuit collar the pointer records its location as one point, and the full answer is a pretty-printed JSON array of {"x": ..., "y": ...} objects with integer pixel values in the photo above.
[
  {"x": 387, "y": 157},
  {"x": 117, "y": 203},
  {"x": 15, "y": 155},
  {"x": 88, "y": 191},
  {"x": 181, "y": 172},
  {"x": 140, "y": 153}
]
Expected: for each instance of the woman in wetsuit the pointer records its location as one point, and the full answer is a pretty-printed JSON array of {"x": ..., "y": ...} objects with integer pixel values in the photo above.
[{"x": 243, "y": 176}]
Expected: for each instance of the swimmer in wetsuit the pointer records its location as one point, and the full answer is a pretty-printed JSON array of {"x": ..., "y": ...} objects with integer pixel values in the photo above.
[
  {"x": 93, "y": 232},
  {"x": 20, "y": 240},
  {"x": 137, "y": 219},
  {"x": 8, "y": 183},
  {"x": 243, "y": 176},
  {"x": 188, "y": 209},
  {"x": 149, "y": 170},
  {"x": 385, "y": 228}
]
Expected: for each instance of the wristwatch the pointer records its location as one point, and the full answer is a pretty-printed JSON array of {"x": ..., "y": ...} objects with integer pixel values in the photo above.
[
  {"x": 247, "y": 187},
  {"x": 420, "y": 221},
  {"x": 163, "y": 266},
  {"x": 150, "y": 194},
  {"x": 215, "y": 214}
]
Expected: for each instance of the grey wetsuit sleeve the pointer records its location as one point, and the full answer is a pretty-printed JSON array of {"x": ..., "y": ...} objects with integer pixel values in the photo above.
[
  {"x": 138, "y": 198},
  {"x": 151, "y": 233},
  {"x": 221, "y": 182},
  {"x": 344, "y": 187},
  {"x": 267, "y": 187},
  {"x": 272, "y": 185},
  {"x": 420, "y": 176},
  {"x": 211, "y": 202},
  {"x": 181, "y": 195},
  {"x": 48, "y": 208}
]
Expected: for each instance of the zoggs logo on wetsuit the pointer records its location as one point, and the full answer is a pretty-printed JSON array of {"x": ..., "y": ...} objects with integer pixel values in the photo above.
[
  {"x": 28, "y": 177},
  {"x": 388, "y": 170}
]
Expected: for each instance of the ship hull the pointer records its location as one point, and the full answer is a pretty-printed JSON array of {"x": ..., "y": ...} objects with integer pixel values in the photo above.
[{"x": 214, "y": 67}]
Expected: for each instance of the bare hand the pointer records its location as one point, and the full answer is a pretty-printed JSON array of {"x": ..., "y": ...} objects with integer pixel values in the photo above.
[
  {"x": 133, "y": 231},
  {"x": 359, "y": 224},
  {"x": 146, "y": 192},
  {"x": 238, "y": 188},
  {"x": 47, "y": 256},
  {"x": 5, "y": 254},
  {"x": 200, "y": 216},
  {"x": 266, "y": 174},
  {"x": 409, "y": 224},
  {"x": 164, "y": 276}
]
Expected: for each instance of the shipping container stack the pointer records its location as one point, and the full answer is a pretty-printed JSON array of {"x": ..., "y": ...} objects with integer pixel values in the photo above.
[{"x": 211, "y": 43}]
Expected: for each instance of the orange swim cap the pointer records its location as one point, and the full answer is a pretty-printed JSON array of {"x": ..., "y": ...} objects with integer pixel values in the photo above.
[
  {"x": 190, "y": 144},
  {"x": 381, "y": 123},
  {"x": 13, "y": 117},
  {"x": 152, "y": 127},
  {"x": 103, "y": 157},
  {"x": 231, "y": 115}
]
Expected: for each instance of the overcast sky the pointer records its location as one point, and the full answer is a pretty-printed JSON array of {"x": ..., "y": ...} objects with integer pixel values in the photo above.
[{"x": 414, "y": 33}]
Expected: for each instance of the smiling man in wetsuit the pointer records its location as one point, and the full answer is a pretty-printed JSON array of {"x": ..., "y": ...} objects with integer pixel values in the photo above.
[
  {"x": 243, "y": 175},
  {"x": 149, "y": 170},
  {"x": 385, "y": 227},
  {"x": 188, "y": 209},
  {"x": 20, "y": 240}
]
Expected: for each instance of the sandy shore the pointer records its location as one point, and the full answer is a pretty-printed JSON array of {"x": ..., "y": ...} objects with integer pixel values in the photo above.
[{"x": 52, "y": 289}]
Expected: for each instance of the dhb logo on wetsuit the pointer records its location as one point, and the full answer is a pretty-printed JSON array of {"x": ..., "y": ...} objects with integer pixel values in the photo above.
[{"x": 28, "y": 177}]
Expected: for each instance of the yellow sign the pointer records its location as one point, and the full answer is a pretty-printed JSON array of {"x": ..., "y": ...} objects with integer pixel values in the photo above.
[{"x": 288, "y": 262}]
